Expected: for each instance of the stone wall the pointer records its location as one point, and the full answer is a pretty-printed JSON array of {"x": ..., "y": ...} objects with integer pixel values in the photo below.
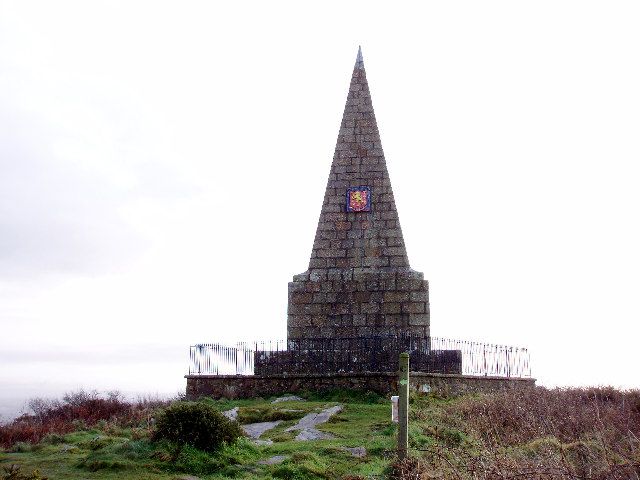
[
  {"x": 354, "y": 355},
  {"x": 359, "y": 281},
  {"x": 355, "y": 302},
  {"x": 252, "y": 386}
]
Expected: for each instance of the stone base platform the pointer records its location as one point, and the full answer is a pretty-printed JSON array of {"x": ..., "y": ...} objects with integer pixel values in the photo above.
[{"x": 385, "y": 383}]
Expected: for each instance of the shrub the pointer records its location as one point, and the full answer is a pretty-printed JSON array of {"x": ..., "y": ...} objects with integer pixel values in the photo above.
[
  {"x": 196, "y": 424},
  {"x": 77, "y": 411}
]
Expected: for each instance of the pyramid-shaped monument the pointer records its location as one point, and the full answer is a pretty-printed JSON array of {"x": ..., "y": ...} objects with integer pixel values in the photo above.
[
  {"x": 359, "y": 282},
  {"x": 359, "y": 304}
]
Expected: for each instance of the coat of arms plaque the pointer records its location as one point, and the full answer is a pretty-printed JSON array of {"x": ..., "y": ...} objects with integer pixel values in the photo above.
[{"x": 359, "y": 199}]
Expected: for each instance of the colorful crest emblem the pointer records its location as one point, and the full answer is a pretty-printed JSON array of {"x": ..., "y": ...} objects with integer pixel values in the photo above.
[{"x": 358, "y": 199}]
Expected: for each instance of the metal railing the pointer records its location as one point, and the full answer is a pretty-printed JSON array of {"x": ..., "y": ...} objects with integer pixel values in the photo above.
[{"x": 358, "y": 354}]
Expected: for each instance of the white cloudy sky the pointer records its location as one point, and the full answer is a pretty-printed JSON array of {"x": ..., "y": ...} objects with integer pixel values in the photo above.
[{"x": 162, "y": 166}]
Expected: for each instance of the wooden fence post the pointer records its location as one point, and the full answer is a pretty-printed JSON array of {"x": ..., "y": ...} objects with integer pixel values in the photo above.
[{"x": 403, "y": 406}]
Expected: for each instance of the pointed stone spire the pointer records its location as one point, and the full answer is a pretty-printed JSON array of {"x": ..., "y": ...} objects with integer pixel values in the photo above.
[
  {"x": 359, "y": 282},
  {"x": 359, "y": 61},
  {"x": 362, "y": 239}
]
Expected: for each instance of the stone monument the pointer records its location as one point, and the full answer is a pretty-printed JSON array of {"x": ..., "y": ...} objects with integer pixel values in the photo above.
[
  {"x": 359, "y": 281},
  {"x": 359, "y": 304}
]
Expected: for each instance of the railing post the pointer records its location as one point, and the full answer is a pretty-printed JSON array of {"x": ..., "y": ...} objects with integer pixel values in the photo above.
[{"x": 403, "y": 406}]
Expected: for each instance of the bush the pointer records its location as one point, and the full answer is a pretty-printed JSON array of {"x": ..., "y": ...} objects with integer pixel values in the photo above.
[
  {"x": 196, "y": 424},
  {"x": 78, "y": 411}
]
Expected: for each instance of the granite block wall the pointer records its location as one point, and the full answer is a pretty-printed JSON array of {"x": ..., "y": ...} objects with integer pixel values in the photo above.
[
  {"x": 351, "y": 303},
  {"x": 237, "y": 386},
  {"x": 359, "y": 281}
]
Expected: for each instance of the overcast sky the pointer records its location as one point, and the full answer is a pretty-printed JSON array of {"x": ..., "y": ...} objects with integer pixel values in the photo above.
[{"x": 163, "y": 164}]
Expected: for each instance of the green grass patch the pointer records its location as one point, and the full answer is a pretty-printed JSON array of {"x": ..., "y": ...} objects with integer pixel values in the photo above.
[
  {"x": 105, "y": 452},
  {"x": 448, "y": 437},
  {"x": 267, "y": 413}
]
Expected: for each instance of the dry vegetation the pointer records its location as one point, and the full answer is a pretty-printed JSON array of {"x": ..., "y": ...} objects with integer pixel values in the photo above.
[
  {"x": 75, "y": 411},
  {"x": 541, "y": 434}
]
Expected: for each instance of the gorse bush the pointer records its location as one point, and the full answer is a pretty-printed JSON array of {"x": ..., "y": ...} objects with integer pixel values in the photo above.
[{"x": 197, "y": 424}]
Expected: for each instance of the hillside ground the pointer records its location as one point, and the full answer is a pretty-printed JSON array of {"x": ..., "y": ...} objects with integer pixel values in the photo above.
[{"x": 541, "y": 434}]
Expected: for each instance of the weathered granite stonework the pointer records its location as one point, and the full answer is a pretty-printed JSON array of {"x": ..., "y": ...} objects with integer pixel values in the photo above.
[
  {"x": 383, "y": 383},
  {"x": 359, "y": 304},
  {"x": 359, "y": 281}
]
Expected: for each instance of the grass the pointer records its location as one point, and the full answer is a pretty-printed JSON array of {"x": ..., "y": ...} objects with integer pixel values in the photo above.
[
  {"x": 108, "y": 450},
  {"x": 540, "y": 434},
  {"x": 357, "y": 425}
]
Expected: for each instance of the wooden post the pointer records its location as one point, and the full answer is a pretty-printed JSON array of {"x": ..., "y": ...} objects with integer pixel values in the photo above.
[{"x": 403, "y": 406}]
